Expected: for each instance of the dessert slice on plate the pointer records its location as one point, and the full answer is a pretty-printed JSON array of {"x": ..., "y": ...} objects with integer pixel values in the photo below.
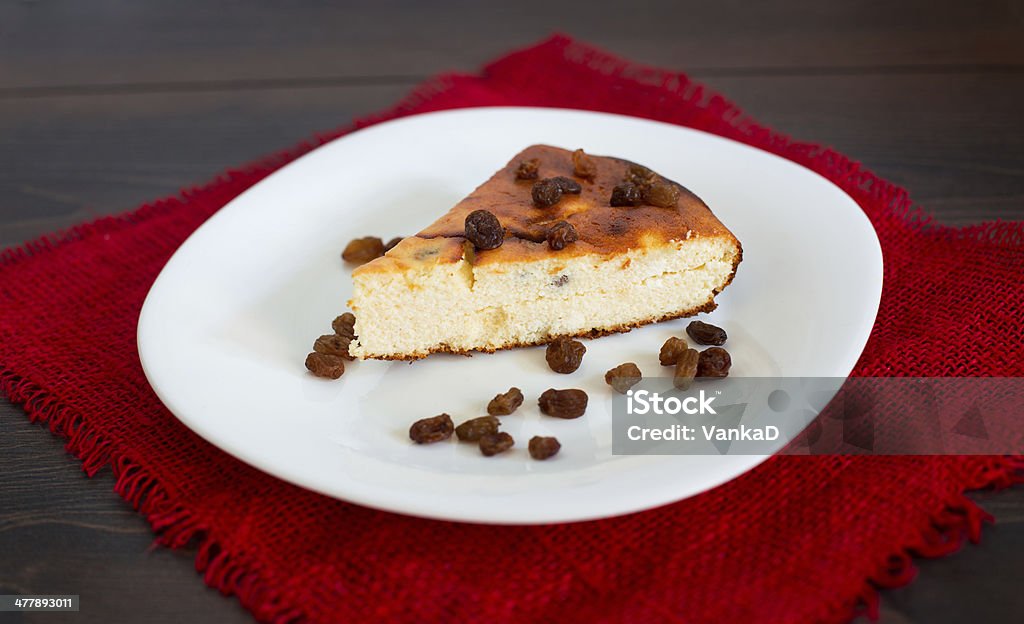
[{"x": 556, "y": 243}]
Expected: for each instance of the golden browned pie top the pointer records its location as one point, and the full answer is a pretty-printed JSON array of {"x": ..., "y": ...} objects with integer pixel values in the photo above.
[{"x": 602, "y": 228}]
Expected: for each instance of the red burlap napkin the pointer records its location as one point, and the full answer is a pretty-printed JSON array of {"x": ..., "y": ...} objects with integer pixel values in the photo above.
[{"x": 797, "y": 539}]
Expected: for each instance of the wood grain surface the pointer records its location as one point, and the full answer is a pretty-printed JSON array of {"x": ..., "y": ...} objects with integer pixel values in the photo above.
[{"x": 106, "y": 104}]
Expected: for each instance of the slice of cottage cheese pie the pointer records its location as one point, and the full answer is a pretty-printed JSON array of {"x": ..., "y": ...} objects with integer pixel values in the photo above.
[{"x": 556, "y": 243}]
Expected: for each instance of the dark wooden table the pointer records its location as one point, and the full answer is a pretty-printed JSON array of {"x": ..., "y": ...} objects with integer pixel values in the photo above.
[{"x": 109, "y": 103}]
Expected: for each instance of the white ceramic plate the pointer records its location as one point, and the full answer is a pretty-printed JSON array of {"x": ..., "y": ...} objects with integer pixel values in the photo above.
[{"x": 227, "y": 325}]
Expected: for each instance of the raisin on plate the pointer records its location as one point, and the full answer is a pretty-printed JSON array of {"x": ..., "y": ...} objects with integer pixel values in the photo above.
[
  {"x": 570, "y": 403},
  {"x": 345, "y": 325},
  {"x": 706, "y": 333},
  {"x": 564, "y": 355},
  {"x": 506, "y": 403},
  {"x": 686, "y": 369},
  {"x": 333, "y": 344},
  {"x": 323, "y": 365},
  {"x": 671, "y": 350},
  {"x": 714, "y": 362},
  {"x": 430, "y": 430},
  {"x": 494, "y": 443},
  {"x": 623, "y": 377},
  {"x": 475, "y": 428},
  {"x": 362, "y": 250},
  {"x": 542, "y": 448}
]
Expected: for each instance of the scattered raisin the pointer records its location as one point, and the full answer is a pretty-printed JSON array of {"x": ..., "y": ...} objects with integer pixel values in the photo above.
[
  {"x": 430, "y": 430},
  {"x": 362, "y": 250},
  {"x": 543, "y": 447},
  {"x": 505, "y": 404},
  {"x": 323, "y": 365},
  {"x": 671, "y": 350},
  {"x": 626, "y": 195},
  {"x": 661, "y": 195},
  {"x": 568, "y": 185},
  {"x": 640, "y": 176},
  {"x": 484, "y": 230},
  {"x": 546, "y": 193},
  {"x": 527, "y": 169},
  {"x": 333, "y": 344},
  {"x": 623, "y": 377},
  {"x": 686, "y": 369},
  {"x": 475, "y": 428},
  {"x": 714, "y": 362},
  {"x": 563, "y": 403},
  {"x": 706, "y": 333},
  {"x": 494, "y": 443},
  {"x": 391, "y": 243},
  {"x": 561, "y": 234},
  {"x": 344, "y": 325},
  {"x": 582, "y": 165},
  {"x": 564, "y": 355}
]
